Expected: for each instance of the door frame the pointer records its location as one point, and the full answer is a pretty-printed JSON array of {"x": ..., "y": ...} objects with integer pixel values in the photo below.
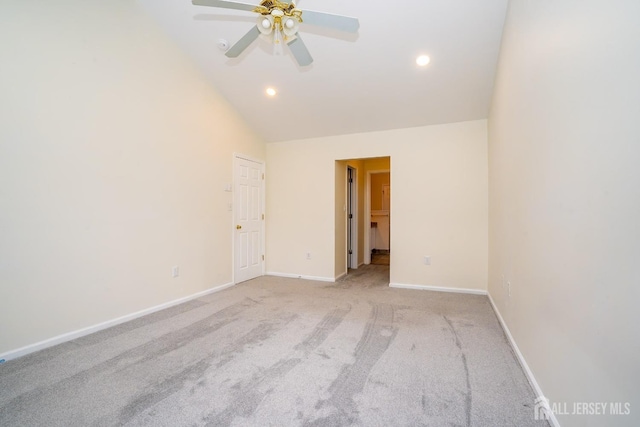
[
  {"x": 352, "y": 209},
  {"x": 236, "y": 158},
  {"x": 367, "y": 213}
]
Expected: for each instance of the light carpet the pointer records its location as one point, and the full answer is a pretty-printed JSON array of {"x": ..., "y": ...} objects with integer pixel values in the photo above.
[{"x": 283, "y": 352}]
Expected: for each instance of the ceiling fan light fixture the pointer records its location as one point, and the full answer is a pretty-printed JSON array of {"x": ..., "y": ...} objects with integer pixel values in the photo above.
[
  {"x": 271, "y": 92},
  {"x": 277, "y": 35},
  {"x": 278, "y": 22},
  {"x": 290, "y": 27},
  {"x": 265, "y": 24}
]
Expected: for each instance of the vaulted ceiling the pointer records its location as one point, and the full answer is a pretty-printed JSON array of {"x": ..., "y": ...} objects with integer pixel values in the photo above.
[{"x": 360, "y": 82}]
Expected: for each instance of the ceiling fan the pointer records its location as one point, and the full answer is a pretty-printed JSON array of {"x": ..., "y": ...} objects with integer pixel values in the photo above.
[{"x": 279, "y": 21}]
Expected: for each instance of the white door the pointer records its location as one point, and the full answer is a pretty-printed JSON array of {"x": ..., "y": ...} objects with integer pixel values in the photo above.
[{"x": 248, "y": 215}]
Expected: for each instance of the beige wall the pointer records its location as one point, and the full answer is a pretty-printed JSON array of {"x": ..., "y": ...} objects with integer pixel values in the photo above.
[
  {"x": 114, "y": 152},
  {"x": 439, "y": 206},
  {"x": 377, "y": 164},
  {"x": 565, "y": 198}
]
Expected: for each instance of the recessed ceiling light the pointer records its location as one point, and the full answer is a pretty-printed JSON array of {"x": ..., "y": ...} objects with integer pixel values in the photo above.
[
  {"x": 423, "y": 60},
  {"x": 271, "y": 91}
]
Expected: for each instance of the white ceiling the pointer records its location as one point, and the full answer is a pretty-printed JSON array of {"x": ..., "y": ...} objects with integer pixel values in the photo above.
[{"x": 358, "y": 83}]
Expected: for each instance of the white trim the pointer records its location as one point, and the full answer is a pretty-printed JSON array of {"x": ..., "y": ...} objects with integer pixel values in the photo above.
[
  {"x": 525, "y": 367},
  {"x": 438, "y": 289},
  {"x": 353, "y": 209},
  {"x": 299, "y": 276},
  {"x": 22, "y": 351},
  {"x": 251, "y": 159},
  {"x": 341, "y": 276}
]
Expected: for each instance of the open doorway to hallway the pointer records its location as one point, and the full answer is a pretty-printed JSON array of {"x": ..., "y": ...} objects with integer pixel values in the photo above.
[{"x": 363, "y": 213}]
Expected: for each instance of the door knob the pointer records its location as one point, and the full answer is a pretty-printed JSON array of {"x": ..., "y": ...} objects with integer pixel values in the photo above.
[{"x": 238, "y": 227}]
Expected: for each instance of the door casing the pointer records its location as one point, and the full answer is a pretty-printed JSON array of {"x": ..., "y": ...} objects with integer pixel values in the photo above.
[{"x": 352, "y": 222}]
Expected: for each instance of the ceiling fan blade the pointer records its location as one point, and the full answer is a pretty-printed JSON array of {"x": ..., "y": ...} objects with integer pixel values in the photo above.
[
  {"x": 224, "y": 4},
  {"x": 243, "y": 43},
  {"x": 338, "y": 22},
  {"x": 300, "y": 51}
]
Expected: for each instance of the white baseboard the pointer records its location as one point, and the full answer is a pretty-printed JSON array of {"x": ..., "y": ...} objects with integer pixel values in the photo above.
[
  {"x": 298, "y": 276},
  {"x": 525, "y": 367},
  {"x": 438, "y": 289},
  {"x": 22, "y": 351}
]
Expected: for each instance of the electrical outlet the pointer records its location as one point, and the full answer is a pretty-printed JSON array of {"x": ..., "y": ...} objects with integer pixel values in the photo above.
[
  {"x": 308, "y": 255},
  {"x": 175, "y": 271},
  {"x": 426, "y": 260}
]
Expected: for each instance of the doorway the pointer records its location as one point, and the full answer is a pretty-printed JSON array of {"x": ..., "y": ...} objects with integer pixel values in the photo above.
[{"x": 354, "y": 240}]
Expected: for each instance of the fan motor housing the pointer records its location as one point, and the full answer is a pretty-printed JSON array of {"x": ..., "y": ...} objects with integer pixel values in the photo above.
[{"x": 223, "y": 44}]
